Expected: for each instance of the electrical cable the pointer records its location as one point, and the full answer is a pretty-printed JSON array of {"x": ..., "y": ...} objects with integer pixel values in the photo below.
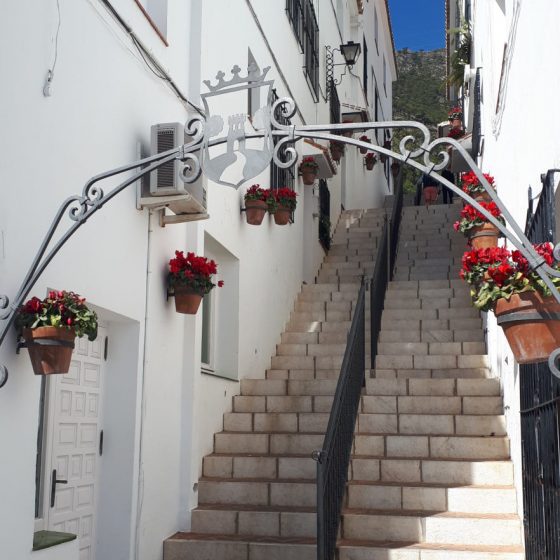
[
  {"x": 47, "y": 89},
  {"x": 148, "y": 59}
]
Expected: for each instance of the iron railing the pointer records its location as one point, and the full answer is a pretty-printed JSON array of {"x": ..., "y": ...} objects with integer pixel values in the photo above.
[
  {"x": 280, "y": 176},
  {"x": 540, "y": 419},
  {"x": 541, "y": 223},
  {"x": 378, "y": 287},
  {"x": 334, "y": 458},
  {"x": 395, "y": 223},
  {"x": 540, "y": 408}
]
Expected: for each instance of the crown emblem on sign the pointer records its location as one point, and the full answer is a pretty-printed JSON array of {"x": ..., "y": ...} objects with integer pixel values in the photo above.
[{"x": 253, "y": 76}]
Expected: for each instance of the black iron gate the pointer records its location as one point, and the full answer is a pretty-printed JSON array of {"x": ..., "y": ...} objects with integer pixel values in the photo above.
[{"x": 540, "y": 413}]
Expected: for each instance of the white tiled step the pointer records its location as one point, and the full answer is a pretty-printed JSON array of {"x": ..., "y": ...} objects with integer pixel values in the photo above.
[
  {"x": 275, "y": 422},
  {"x": 263, "y": 443},
  {"x": 437, "y": 528},
  {"x": 425, "y": 497},
  {"x": 431, "y": 446},
  {"x": 433, "y": 387},
  {"x": 441, "y": 471},
  {"x": 371, "y": 550},
  {"x": 280, "y": 403},
  {"x": 261, "y": 521},
  {"x": 258, "y": 492},
  {"x": 421, "y": 424},
  {"x": 432, "y": 361},
  {"x": 255, "y": 387},
  {"x": 430, "y": 348},
  {"x": 197, "y": 546}
]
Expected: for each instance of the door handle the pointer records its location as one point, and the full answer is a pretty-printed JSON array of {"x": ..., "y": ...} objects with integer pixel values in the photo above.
[{"x": 54, "y": 482}]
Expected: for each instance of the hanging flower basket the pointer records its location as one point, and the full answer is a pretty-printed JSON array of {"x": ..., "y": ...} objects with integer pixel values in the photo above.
[
  {"x": 308, "y": 170},
  {"x": 531, "y": 325},
  {"x": 364, "y": 151},
  {"x": 50, "y": 326},
  {"x": 256, "y": 204},
  {"x": 189, "y": 280},
  {"x": 473, "y": 224},
  {"x": 187, "y": 301},
  {"x": 484, "y": 236},
  {"x": 50, "y": 349},
  {"x": 282, "y": 216},
  {"x": 285, "y": 202},
  {"x": 370, "y": 160}
]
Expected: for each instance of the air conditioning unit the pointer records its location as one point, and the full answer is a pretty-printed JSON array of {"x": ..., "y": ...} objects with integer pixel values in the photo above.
[
  {"x": 166, "y": 180},
  {"x": 165, "y": 186}
]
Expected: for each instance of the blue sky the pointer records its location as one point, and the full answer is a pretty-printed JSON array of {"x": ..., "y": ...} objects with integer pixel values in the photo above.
[{"x": 418, "y": 24}]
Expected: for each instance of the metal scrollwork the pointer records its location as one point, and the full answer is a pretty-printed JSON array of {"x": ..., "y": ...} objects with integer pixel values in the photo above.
[
  {"x": 553, "y": 360},
  {"x": 4, "y": 307},
  {"x": 192, "y": 169},
  {"x": 80, "y": 206}
]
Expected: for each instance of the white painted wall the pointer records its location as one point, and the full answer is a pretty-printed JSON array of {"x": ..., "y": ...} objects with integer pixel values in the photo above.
[
  {"x": 159, "y": 407},
  {"x": 524, "y": 147}
]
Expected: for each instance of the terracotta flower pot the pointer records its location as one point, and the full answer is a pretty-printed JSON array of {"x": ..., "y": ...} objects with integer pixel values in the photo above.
[
  {"x": 456, "y": 123},
  {"x": 363, "y": 151},
  {"x": 255, "y": 211},
  {"x": 337, "y": 152},
  {"x": 50, "y": 349},
  {"x": 370, "y": 163},
  {"x": 531, "y": 324},
  {"x": 308, "y": 177},
  {"x": 282, "y": 216},
  {"x": 484, "y": 236},
  {"x": 187, "y": 301}
]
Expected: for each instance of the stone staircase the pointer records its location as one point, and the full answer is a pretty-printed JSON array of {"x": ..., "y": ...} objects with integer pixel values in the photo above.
[
  {"x": 430, "y": 475},
  {"x": 257, "y": 494}
]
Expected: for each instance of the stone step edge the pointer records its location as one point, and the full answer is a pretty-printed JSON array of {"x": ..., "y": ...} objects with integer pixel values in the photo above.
[
  {"x": 390, "y": 545},
  {"x": 356, "y": 456},
  {"x": 185, "y": 536},
  {"x": 427, "y": 513}
]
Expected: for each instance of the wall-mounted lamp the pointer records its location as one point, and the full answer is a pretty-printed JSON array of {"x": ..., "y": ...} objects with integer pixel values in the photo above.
[{"x": 350, "y": 52}]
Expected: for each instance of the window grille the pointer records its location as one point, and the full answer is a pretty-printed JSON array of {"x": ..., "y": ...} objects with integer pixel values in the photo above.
[
  {"x": 294, "y": 9},
  {"x": 280, "y": 177},
  {"x": 334, "y": 102},
  {"x": 311, "y": 46}
]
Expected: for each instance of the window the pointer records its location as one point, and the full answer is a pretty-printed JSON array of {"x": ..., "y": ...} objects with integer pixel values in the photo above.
[
  {"x": 365, "y": 68},
  {"x": 311, "y": 47},
  {"x": 294, "y": 9},
  {"x": 334, "y": 103},
  {"x": 280, "y": 177},
  {"x": 376, "y": 29},
  {"x": 156, "y": 12},
  {"x": 385, "y": 75},
  {"x": 219, "y": 350},
  {"x": 304, "y": 24}
]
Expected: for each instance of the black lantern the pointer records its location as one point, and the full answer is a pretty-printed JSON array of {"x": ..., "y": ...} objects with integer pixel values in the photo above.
[{"x": 350, "y": 51}]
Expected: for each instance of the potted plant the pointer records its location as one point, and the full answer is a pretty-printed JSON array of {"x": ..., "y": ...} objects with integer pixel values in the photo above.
[
  {"x": 308, "y": 170},
  {"x": 364, "y": 138},
  {"x": 190, "y": 279},
  {"x": 256, "y": 204},
  {"x": 455, "y": 117},
  {"x": 456, "y": 132},
  {"x": 502, "y": 281},
  {"x": 477, "y": 228},
  {"x": 371, "y": 160},
  {"x": 337, "y": 150},
  {"x": 49, "y": 327},
  {"x": 473, "y": 187},
  {"x": 286, "y": 203}
]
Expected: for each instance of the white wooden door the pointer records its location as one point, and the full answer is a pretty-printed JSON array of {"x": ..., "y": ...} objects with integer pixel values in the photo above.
[{"x": 75, "y": 412}]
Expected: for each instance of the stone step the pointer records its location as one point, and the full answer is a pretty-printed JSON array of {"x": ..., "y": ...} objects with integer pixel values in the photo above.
[
  {"x": 431, "y": 361},
  {"x": 306, "y": 362},
  {"x": 292, "y": 387},
  {"x": 323, "y": 306},
  {"x": 429, "y": 314},
  {"x": 303, "y": 374},
  {"x": 427, "y": 293},
  {"x": 468, "y": 323},
  {"x": 315, "y": 422},
  {"x": 235, "y": 466},
  {"x": 432, "y": 446},
  {"x": 324, "y": 338},
  {"x": 420, "y": 284},
  {"x": 420, "y": 404},
  {"x": 200, "y": 546},
  {"x": 372, "y": 550},
  {"x": 258, "y": 492},
  {"x": 446, "y": 373},
  {"x": 433, "y": 335},
  {"x": 312, "y": 349},
  {"x": 424, "y": 423},
  {"x": 428, "y": 348},
  {"x": 255, "y": 521},
  {"x": 282, "y": 403},
  {"x": 433, "y": 527},
  {"x": 433, "y": 387},
  {"x": 429, "y": 497},
  {"x": 409, "y": 303},
  {"x": 432, "y": 471}
]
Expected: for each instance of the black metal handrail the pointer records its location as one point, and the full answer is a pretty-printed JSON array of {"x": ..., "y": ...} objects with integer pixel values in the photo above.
[
  {"x": 334, "y": 458},
  {"x": 378, "y": 287},
  {"x": 395, "y": 223},
  {"x": 540, "y": 225}
]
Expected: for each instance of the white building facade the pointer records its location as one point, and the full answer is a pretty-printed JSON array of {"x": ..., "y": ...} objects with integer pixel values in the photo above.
[
  {"x": 127, "y": 428},
  {"x": 508, "y": 98}
]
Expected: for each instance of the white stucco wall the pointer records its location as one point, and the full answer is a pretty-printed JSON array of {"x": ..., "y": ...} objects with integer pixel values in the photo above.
[
  {"x": 161, "y": 412},
  {"x": 525, "y": 145}
]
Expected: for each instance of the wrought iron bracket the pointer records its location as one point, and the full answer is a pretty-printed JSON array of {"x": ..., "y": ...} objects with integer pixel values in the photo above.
[{"x": 415, "y": 150}]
